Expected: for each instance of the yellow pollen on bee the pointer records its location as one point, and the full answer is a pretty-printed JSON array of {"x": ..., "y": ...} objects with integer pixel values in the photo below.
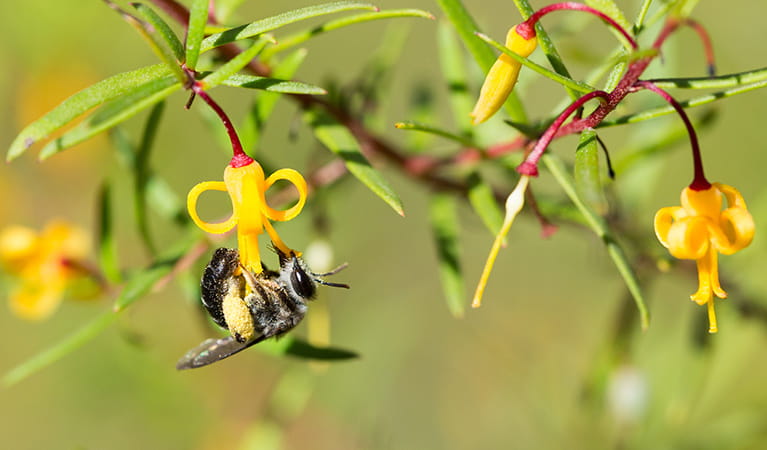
[{"x": 238, "y": 318}]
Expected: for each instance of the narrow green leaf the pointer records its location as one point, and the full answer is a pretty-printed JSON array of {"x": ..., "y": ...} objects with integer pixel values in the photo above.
[
  {"x": 141, "y": 174},
  {"x": 234, "y": 65},
  {"x": 341, "y": 142},
  {"x": 466, "y": 27},
  {"x": 273, "y": 85},
  {"x": 453, "y": 66},
  {"x": 569, "y": 83},
  {"x": 483, "y": 202},
  {"x": 436, "y": 131},
  {"x": 298, "y": 38},
  {"x": 547, "y": 46},
  {"x": 166, "y": 32},
  {"x": 445, "y": 226},
  {"x": 159, "y": 194},
  {"x": 198, "y": 17},
  {"x": 718, "y": 82},
  {"x": 588, "y": 179},
  {"x": 639, "y": 22},
  {"x": 107, "y": 245},
  {"x": 293, "y": 346},
  {"x": 157, "y": 44},
  {"x": 697, "y": 101},
  {"x": 59, "y": 349},
  {"x": 113, "y": 113},
  {"x": 280, "y": 20},
  {"x": 601, "y": 229},
  {"x": 141, "y": 282},
  {"x": 79, "y": 103},
  {"x": 261, "y": 110},
  {"x": 610, "y": 8}
]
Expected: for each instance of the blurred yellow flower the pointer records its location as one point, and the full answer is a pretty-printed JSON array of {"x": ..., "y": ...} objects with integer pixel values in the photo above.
[
  {"x": 45, "y": 265},
  {"x": 700, "y": 229},
  {"x": 502, "y": 77},
  {"x": 246, "y": 186}
]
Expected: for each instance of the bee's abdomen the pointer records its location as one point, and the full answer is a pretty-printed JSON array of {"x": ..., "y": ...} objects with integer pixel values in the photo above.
[
  {"x": 217, "y": 281},
  {"x": 274, "y": 311}
]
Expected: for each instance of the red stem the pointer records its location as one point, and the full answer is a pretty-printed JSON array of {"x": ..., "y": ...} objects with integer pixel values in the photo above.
[
  {"x": 530, "y": 165},
  {"x": 526, "y": 29},
  {"x": 699, "y": 181},
  {"x": 239, "y": 158}
]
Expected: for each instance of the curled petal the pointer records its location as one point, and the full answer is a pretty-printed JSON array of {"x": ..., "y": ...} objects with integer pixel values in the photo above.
[
  {"x": 688, "y": 238},
  {"x": 191, "y": 206},
  {"x": 734, "y": 198},
  {"x": 663, "y": 220},
  {"x": 297, "y": 180},
  {"x": 734, "y": 232}
]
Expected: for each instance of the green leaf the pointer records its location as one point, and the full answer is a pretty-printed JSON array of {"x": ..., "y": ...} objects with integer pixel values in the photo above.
[
  {"x": 234, "y": 65},
  {"x": 198, "y": 17},
  {"x": 166, "y": 32},
  {"x": 273, "y": 85},
  {"x": 263, "y": 105},
  {"x": 435, "y": 131},
  {"x": 718, "y": 82},
  {"x": 79, "y": 103},
  {"x": 588, "y": 179},
  {"x": 113, "y": 113},
  {"x": 293, "y": 40},
  {"x": 290, "y": 345},
  {"x": 59, "y": 349},
  {"x": 483, "y": 202},
  {"x": 158, "y": 45},
  {"x": 445, "y": 226},
  {"x": 466, "y": 27},
  {"x": 601, "y": 229},
  {"x": 611, "y": 9},
  {"x": 141, "y": 173},
  {"x": 141, "y": 282},
  {"x": 107, "y": 245},
  {"x": 547, "y": 46},
  {"x": 341, "y": 142},
  {"x": 697, "y": 101},
  {"x": 280, "y": 20},
  {"x": 569, "y": 83},
  {"x": 453, "y": 66}
]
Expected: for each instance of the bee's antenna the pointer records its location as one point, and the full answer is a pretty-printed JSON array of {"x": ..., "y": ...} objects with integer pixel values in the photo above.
[
  {"x": 327, "y": 283},
  {"x": 332, "y": 272}
]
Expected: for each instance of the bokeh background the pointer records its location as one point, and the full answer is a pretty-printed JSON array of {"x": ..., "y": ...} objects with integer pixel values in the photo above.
[{"x": 530, "y": 369}]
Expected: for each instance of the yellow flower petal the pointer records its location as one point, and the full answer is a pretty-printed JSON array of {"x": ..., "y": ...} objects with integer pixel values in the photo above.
[
  {"x": 191, "y": 206},
  {"x": 18, "y": 245},
  {"x": 688, "y": 238},
  {"x": 36, "y": 300}
]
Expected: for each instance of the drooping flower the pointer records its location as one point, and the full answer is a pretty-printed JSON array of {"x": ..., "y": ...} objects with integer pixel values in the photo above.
[
  {"x": 247, "y": 186},
  {"x": 44, "y": 264},
  {"x": 700, "y": 229},
  {"x": 502, "y": 77}
]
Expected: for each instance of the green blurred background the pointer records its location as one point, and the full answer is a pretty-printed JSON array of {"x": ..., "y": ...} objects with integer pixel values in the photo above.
[{"x": 527, "y": 370}]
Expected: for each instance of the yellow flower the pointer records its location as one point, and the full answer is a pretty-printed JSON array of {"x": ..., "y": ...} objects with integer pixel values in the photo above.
[
  {"x": 502, "y": 77},
  {"x": 247, "y": 187},
  {"x": 700, "y": 229},
  {"x": 45, "y": 264}
]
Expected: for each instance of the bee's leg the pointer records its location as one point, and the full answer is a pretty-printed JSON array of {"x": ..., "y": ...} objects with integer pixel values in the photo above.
[{"x": 250, "y": 279}]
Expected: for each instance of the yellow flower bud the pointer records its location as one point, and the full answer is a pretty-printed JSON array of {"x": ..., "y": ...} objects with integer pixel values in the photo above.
[{"x": 502, "y": 77}]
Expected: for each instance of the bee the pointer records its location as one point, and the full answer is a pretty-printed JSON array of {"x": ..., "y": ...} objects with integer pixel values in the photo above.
[{"x": 276, "y": 302}]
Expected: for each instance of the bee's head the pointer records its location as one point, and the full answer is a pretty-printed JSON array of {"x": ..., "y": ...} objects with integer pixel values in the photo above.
[{"x": 296, "y": 276}]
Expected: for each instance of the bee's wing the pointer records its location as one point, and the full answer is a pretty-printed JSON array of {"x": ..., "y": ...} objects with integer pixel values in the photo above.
[{"x": 212, "y": 350}]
